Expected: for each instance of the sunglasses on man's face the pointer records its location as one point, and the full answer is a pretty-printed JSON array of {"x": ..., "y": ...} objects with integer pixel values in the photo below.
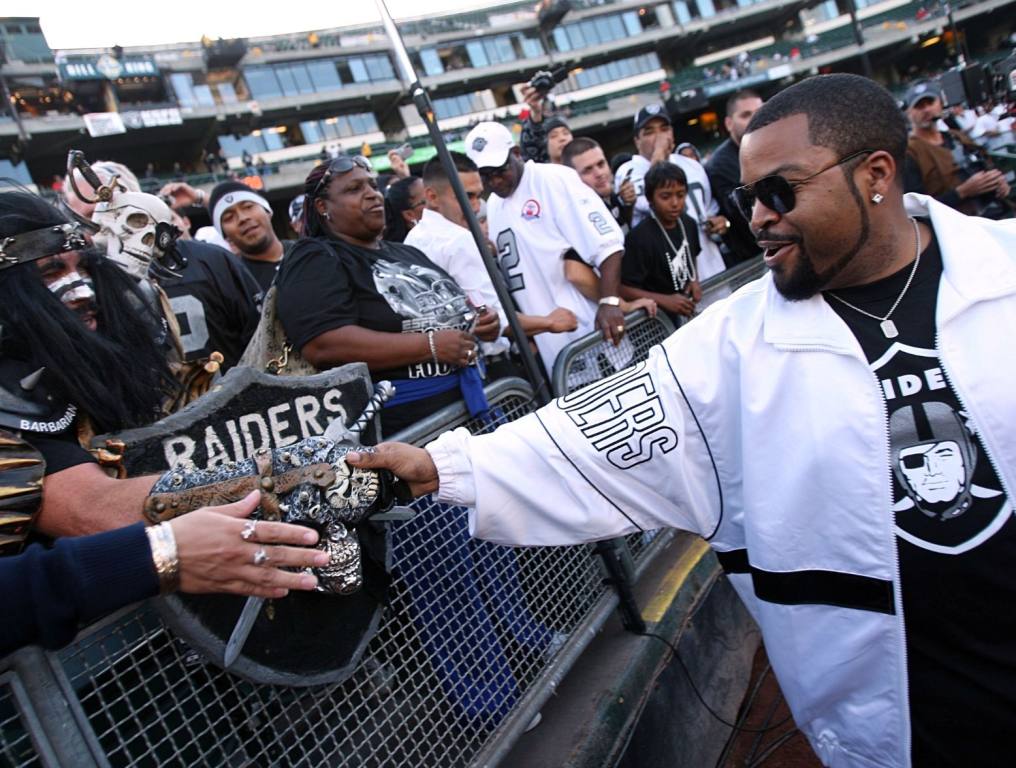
[
  {"x": 342, "y": 164},
  {"x": 490, "y": 173},
  {"x": 777, "y": 193}
]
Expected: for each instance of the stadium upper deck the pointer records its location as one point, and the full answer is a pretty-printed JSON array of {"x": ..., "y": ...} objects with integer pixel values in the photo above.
[{"x": 284, "y": 98}]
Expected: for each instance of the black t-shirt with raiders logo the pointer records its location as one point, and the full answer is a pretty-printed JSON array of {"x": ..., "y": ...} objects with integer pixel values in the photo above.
[
  {"x": 327, "y": 284},
  {"x": 956, "y": 535}
]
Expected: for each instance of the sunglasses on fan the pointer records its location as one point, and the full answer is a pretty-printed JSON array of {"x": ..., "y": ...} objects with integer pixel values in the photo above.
[
  {"x": 777, "y": 193},
  {"x": 342, "y": 164}
]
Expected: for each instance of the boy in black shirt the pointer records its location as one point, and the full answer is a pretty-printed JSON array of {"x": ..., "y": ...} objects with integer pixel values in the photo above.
[{"x": 660, "y": 253}]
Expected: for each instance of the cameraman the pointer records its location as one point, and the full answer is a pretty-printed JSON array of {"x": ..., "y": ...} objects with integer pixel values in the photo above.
[
  {"x": 543, "y": 137},
  {"x": 948, "y": 165}
]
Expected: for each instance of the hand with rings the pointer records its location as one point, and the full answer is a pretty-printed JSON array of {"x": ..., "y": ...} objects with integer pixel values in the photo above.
[
  {"x": 221, "y": 550},
  {"x": 454, "y": 348}
]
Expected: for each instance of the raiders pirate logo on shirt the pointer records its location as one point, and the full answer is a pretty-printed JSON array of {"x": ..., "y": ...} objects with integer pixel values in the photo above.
[{"x": 947, "y": 496}]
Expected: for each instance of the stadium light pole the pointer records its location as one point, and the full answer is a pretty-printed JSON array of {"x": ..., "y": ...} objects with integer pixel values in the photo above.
[{"x": 426, "y": 109}]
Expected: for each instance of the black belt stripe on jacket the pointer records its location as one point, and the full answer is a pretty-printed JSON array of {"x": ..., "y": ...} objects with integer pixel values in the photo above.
[{"x": 845, "y": 590}]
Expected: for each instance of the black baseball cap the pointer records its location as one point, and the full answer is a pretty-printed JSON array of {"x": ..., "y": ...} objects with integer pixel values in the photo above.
[
  {"x": 649, "y": 112},
  {"x": 922, "y": 89}
]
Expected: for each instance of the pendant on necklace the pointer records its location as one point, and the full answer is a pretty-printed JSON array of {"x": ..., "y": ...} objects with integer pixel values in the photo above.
[{"x": 889, "y": 329}]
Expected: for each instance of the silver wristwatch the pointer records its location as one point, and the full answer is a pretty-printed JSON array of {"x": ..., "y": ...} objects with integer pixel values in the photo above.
[{"x": 611, "y": 301}]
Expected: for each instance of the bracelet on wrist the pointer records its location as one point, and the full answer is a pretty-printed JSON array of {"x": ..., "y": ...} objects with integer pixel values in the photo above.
[
  {"x": 433, "y": 346},
  {"x": 164, "y": 556}
]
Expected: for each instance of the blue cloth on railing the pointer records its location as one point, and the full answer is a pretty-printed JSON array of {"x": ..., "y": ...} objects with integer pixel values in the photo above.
[{"x": 467, "y": 379}]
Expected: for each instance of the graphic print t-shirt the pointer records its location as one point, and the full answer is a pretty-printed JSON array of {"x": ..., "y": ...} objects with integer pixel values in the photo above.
[
  {"x": 956, "y": 536},
  {"x": 393, "y": 289}
]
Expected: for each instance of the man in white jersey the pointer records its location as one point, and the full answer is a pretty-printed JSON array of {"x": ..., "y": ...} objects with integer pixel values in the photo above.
[
  {"x": 443, "y": 236},
  {"x": 536, "y": 213},
  {"x": 654, "y": 140}
]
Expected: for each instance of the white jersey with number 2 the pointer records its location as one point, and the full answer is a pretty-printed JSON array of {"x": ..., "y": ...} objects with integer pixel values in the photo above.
[{"x": 549, "y": 213}]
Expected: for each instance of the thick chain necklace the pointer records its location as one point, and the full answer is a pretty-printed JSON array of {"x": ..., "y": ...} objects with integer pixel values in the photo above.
[
  {"x": 682, "y": 269},
  {"x": 888, "y": 326}
]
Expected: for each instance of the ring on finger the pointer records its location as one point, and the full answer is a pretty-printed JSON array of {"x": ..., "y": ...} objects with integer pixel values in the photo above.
[
  {"x": 249, "y": 530},
  {"x": 260, "y": 557},
  {"x": 620, "y": 329}
]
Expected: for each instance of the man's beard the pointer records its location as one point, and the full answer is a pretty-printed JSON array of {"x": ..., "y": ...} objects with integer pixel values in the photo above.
[
  {"x": 801, "y": 281},
  {"x": 257, "y": 248}
]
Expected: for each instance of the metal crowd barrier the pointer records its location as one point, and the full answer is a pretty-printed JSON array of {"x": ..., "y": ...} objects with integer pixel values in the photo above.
[{"x": 474, "y": 639}]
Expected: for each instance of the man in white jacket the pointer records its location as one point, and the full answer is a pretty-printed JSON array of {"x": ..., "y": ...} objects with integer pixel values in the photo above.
[{"x": 841, "y": 431}]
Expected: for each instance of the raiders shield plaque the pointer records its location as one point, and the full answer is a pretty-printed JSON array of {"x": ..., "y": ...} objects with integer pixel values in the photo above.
[{"x": 304, "y": 638}]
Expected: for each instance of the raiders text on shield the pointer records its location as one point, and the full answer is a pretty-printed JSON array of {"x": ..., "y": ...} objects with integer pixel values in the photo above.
[{"x": 305, "y": 638}]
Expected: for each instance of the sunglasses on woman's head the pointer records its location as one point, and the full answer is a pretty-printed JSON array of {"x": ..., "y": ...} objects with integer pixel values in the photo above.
[
  {"x": 342, "y": 164},
  {"x": 777, "y": 193}
]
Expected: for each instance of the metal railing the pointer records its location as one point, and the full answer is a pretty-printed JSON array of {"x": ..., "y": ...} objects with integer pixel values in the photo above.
[{"x": 474, "y": 638}]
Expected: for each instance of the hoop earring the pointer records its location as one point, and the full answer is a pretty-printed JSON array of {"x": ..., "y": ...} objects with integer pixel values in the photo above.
[{"x": 877, "y": 198}]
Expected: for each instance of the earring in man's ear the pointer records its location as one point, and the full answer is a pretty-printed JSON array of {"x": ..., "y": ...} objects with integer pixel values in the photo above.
[{"x": 877, "y": 198}]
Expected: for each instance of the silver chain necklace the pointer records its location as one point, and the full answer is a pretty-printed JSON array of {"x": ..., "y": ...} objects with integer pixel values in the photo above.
[
  {"x": 888, "y": 326},
  {"x": 683, "y": 271}
]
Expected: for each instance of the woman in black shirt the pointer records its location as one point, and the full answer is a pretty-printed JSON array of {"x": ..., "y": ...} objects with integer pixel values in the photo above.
[
  {"x": 345, "y": 295},
  {"x": 660, "y": 253}
]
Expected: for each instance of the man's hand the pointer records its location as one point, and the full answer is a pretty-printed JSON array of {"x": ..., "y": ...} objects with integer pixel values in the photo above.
[
  {"x": 487, "y": 326},
  {"x": 717, "y": 225},
  {"x": 412, "y": 465},
  {"x": 182, "y": 194},
  {"x": 663, "y": 147},
  {"x": 562, "y": 320},
  {"x": 694, "y": 289},
  {"x": 627, "y": 191},
  {"x": 679, "y": 304},
  {"x": 399, "y": 166},
  {"x": 534, "y": 99},
  {"x": 610, "y": 321},
  {"x": 980, "y": 183}
]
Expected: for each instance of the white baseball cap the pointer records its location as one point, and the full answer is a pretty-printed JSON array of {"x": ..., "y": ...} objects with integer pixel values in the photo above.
[{"x": 488, "y": 145}]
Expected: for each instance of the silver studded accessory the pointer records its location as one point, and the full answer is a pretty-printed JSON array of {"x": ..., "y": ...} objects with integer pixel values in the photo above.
[
  {"x": 307, "y": 483},
  {"x": 249, "y": 529},
  {"x": 877, "y": 198},
  {"x": 260, "y": 557},
  {"x": 888, "y": 326}
]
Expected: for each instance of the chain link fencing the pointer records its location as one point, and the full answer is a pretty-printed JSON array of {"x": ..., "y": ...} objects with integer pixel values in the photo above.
[
  {"x": 474, "y": 638},
  {"x": 458, "y": 667}
]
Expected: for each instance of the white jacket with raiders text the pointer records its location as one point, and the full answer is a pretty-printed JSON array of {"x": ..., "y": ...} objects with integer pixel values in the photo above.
[{"x": 761, "y": 427}]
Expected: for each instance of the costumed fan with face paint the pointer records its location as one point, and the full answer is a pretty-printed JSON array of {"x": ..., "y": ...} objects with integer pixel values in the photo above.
[{"x": 208, "y": 302}]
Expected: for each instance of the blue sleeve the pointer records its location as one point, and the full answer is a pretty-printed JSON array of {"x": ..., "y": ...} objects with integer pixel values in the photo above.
[{"x": 49, "y": 593}]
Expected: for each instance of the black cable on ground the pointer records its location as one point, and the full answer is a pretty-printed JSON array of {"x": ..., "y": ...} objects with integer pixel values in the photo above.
[
  {"x": 771, "y": 749},
  {"x": 698, "y": 695},
  {"x": 745, "y": 709}
]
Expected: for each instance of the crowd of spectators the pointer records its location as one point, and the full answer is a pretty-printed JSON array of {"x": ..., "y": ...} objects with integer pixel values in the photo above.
[{"x": 385, "y": 271}]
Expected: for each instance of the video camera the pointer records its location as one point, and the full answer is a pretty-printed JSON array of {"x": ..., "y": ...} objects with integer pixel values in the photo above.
[{"x": 545, "y": 80}]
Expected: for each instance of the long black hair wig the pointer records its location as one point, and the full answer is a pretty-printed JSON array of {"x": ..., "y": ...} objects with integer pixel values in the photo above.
[{"x": 119, "y": 374}]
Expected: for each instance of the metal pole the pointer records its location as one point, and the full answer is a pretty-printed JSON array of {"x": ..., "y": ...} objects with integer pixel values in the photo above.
[
  {"x": 859, "y": 38},
  {"x": 958, "y": 42},
  {"x": 423, "y": 105}
]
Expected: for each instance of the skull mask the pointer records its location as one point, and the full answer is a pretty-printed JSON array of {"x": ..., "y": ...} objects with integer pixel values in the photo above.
[{"x": 135, "y": 228}]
